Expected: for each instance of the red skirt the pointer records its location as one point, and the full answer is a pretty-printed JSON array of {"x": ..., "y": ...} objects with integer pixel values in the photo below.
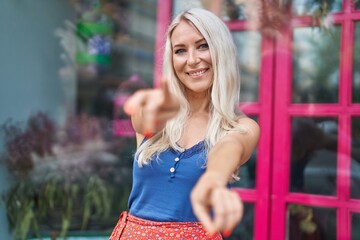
[{"x": 131, "y": 227}]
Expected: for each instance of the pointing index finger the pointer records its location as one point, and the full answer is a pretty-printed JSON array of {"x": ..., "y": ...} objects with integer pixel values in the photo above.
[{"x": 165, "y": 89}]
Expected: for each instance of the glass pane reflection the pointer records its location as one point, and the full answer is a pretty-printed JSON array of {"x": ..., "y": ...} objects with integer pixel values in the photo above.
[
  {"x": 245, "y": 230},
  {"x": 355, "y": 158},
  {"x": 356, "y": 66},
  {"x": 306, "y": 222},
  {"x": 248, "y": 171},
  {"x": 248, "y": 44},
  {"x": 316, "y": 65},
  {"x": 357, "y": 4},
  {"x": 228, "y": 10},
  {"x": 313, "y": 155},
  {"x": 355, "y": 226},
  {"x": 309, "y": 7}
]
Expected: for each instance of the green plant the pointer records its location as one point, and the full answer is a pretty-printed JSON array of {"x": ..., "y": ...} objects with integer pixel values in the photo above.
[{"x": 59, "y": 182}]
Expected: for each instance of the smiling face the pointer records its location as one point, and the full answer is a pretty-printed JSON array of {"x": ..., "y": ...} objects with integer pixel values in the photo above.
[{"x": 191, "y": 58}]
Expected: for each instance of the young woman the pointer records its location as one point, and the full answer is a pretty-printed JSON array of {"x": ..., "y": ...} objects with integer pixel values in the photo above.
[{"x": 191, "y": 138}]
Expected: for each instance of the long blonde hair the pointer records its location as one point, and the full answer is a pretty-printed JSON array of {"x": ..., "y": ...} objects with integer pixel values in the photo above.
[{"x": 225, "y": 90}]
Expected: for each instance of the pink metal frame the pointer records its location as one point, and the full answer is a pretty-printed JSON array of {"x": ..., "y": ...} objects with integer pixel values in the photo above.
[
  {"x": 274, "y": 110},
  {"x": 344, "y": 110}
]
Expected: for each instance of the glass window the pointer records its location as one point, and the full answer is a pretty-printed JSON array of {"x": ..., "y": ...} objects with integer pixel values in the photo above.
[
  {"x": 316, "y": 65},
  {"x": 228, "y": 10},
  {"x": 245, "y": 230},
  {"x": 306, "y": 222},
  {"x": 248, "y": 171},
  {"x": 312, "y": 7},
  {"x": 355, "y": 157},
  {"x": 355, "y": 226},
  {"x": 313, "y": 155},
  {"x": 248, "y": 45},
  {"x": 356, "y": 65},
  {"x": 69, "y": 170},
  {"x": 357, "y": 4}
]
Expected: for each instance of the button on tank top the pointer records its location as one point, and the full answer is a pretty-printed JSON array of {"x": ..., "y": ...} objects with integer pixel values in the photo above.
[{"x": 161, "y": 190}]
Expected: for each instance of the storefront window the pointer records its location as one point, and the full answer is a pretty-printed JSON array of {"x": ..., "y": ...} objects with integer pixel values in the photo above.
[
  {"x": 313, "y": 155},
  {"x": 312, "y": 7},
  {"x": 247, "y": 172},
  {"x": 69, "y": 162},
  {"x": 306, "y": 222},
  {"x": 356, "y": 65},
  {"x": 245, "y": 230},
  {"x": 357, "y": 4},
  {"x": 355, "y": 157},
  {"x": 229, "y": 10},
  {"x": 316, "y": 65},
  {"x": 248, "y": 45},
  {"x": 355, "y": 225}
]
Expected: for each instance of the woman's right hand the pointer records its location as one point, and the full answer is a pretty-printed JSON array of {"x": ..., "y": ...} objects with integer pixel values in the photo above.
[{"x": 150, "y": 109}]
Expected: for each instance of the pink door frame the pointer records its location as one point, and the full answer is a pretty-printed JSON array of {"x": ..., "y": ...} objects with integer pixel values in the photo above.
[
  {"x": 274, "y": 111},
  {"x": 344, "y": 110}
]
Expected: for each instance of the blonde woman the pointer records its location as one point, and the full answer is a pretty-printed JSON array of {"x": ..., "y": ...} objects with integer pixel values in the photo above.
[{"x": 191, "y": 138}]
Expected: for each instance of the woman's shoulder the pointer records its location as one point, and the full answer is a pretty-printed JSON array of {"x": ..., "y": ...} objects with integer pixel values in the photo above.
[{"x": 248, "y": 124}]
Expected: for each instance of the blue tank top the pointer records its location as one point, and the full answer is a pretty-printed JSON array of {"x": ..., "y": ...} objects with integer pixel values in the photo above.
[{"x": 161, "y": 190}]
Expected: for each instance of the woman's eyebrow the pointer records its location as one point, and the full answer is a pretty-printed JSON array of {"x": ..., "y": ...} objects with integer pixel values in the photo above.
[{"x": 182, "y": 45}]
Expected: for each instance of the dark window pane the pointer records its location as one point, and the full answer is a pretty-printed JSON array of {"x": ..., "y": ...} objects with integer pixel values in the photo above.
[
  {"x": 306, "y": 222},
  {"x": 310, "y": 7},
  {"x": 245, "y": 230},
  {"x": 313, "y": 155},
  {"x": 249, "y": 47},
  {"x": 355, "y": 226},
  {"x": 248, "y": 171},
  {"x": 316, "y": 65},
  {"x": 357, "y": 4},
  {"x": 356, "y": 66},
  {"x": 355, "y": 157}
]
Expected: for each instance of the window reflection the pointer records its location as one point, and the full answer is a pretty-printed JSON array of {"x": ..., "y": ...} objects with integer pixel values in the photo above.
[
  {"x": 227, "y": 9},
  {"x": 306, "y": 222},
  {"x": 355, "y": 157},
  {"x": 311, "y": 7},
  {"x": 355, "y": 225},
  {"x": 356, "y": 68},
  {"x": 248, "y": 45},
  {"x": 313, "y": 155},
  {"x": 316, "y": 65},
  {"x": 245, "y": 230},
  {"x": 131, "y": 56},
  {"x": 69, "y": 170},
  {"x": 248, "y": 171},
  {"x": 357, "y": 4}
]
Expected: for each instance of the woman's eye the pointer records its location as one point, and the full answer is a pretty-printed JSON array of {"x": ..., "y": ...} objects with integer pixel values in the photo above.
[
  {"x": 205, "y": 45},
  {"x": 178, "y": 51}
]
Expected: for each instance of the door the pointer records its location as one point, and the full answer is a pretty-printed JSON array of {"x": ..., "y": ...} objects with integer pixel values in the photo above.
[
  {"x": 315, "y": 160},
  {"x": 302, "y": 85}
]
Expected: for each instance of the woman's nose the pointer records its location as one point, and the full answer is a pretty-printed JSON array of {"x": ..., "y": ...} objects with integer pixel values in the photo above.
[{"x": 193, "y": 58}]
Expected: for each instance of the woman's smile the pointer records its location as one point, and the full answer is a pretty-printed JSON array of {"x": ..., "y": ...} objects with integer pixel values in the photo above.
[{"x": 198, "y": 73}]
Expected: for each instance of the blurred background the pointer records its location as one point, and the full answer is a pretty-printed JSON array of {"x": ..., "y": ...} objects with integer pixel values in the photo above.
[{"x": 66, "y": 146}]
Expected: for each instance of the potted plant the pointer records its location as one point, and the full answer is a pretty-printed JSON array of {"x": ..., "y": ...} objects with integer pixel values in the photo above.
[{"x": 59, "y": 175}]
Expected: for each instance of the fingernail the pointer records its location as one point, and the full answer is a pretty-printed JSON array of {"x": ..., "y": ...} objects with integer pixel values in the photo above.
[
  {"x": 227, "y": 233},
  {"x": 148, "y": 134},
  {"x": 128, "y": 110}
]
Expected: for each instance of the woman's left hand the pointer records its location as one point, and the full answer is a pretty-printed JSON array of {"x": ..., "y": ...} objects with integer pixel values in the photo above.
[{"x": 210, "y": 195}]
